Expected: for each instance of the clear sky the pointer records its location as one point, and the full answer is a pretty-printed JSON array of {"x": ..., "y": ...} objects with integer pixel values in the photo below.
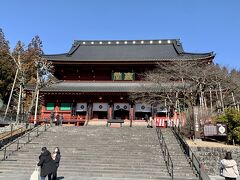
[{"x": 201, "y": 25}]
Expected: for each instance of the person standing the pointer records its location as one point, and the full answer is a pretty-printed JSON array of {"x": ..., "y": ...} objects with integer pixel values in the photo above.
[
  {"x": 146, "y": 117},
  {"x": 229, "y": 167},
  {"x": 56, "y": 158},
  {"x": 151, "y": 122},
  {"x": 61, "y": 119},
  {"x": 46, "y": 163},
  {"x": 57, "y": 120},
  {"x": 52, "y": 117}
]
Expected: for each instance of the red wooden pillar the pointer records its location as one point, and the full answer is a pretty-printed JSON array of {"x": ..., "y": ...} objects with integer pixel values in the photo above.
[
  {"x": 43, "y": 109},
  {"x": 57, "y": 107},
  {"x": 131, "y": 113},
  {"x": 110, "y": 112}
]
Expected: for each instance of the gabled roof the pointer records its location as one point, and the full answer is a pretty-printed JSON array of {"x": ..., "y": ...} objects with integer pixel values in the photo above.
[{"x": 126, "y": 50}]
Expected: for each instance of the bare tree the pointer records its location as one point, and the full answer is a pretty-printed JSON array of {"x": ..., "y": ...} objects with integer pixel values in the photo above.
[{"x": 188, "y": 84}]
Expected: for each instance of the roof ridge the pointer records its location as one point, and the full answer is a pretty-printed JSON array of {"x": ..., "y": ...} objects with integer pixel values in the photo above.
[{"x": 125, "y": 42}]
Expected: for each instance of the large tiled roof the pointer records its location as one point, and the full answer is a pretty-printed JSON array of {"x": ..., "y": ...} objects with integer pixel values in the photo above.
[
  {"x": 135, "y": 50},
  {"x": 101, "y": 86}
]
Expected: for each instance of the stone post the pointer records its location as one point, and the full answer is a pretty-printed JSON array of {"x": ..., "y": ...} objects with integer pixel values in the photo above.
[{"x": 196, "y": 122}]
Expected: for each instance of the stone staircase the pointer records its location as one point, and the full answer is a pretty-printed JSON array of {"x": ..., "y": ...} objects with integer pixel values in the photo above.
[
  {"x": 180, "y": 161},
  {"x": 97, "y": 152}
]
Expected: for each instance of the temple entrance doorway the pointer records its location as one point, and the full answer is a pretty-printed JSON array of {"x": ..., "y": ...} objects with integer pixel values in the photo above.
[
  {"x": 81, "y": 110},
  {"x": 121, "y": 114},
  {"x": 100, "y": 110},
  {"x": 121, "y": 110},
  {"x": 100, "y": 115}
]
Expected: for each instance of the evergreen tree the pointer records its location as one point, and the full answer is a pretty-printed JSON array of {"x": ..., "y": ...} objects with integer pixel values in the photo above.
[{"x": 7, "y": 68}]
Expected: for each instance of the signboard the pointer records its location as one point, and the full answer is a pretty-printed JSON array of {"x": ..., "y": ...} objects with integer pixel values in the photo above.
[
  {"x": 128, "y": 76},
  {"x": 81, "y": 107},
  {"x": 123, "y": 76},
  {"x": 215, "y": 130},
  {"x": 221, "y": 129}
]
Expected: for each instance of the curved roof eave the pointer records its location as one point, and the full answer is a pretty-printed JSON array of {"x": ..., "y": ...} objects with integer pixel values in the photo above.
[{"x": 121, "y": 60}]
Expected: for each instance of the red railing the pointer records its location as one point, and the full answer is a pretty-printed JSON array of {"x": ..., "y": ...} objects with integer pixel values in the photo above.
[{"x": 77, "y": 120}]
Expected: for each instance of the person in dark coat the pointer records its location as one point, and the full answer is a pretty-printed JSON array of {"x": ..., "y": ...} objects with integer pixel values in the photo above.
[
  {"x": 56, "y": 157},
  {"x": 57, "y": 120},
  {"x": 146, "y": 117},
  {"x": 46, "y": 163}
]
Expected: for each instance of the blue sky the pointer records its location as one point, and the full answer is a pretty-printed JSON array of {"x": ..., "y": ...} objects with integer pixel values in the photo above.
[{"x": 201, "y": 25}]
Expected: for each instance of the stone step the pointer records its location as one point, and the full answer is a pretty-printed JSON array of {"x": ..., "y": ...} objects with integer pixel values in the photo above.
[
  {"x": 100, "y": 152},
  {"x": 176, "y": 152}
]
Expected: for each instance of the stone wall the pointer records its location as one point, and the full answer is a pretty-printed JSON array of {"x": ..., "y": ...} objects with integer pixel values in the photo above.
[{"x": 211, "y": 157}]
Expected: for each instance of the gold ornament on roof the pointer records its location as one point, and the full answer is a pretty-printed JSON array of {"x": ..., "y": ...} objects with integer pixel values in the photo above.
[
  {"x": 128, "y": 76},
  {"x": 117, "y": 76}
]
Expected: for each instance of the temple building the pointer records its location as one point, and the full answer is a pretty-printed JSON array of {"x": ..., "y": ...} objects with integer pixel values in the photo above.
[{"x": 96, "y": 78}]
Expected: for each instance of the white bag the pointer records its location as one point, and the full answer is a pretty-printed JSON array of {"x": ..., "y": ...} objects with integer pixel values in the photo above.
[{"x": 36, "y": 174}]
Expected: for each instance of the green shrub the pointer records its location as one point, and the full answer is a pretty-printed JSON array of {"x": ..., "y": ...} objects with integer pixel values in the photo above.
[
  {"x": 231, "y": 117},
  {"x": 236, "y": 134}
]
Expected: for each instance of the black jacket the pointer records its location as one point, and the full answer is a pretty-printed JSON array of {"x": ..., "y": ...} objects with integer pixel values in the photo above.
[
  {"x": 57, "y": 159},
  {"x": 47, "y": 164}
]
